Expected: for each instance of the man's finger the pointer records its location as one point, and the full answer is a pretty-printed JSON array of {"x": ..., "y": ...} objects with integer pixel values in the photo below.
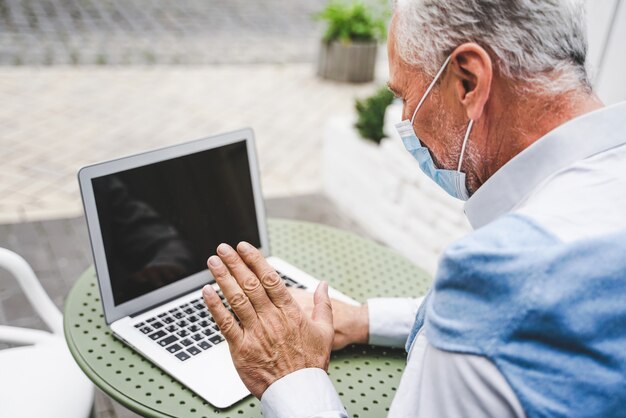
[
  {"x": 271, "y": 281},
  {"x": 323, "y": 308},
  {"x": 245, "y": 277},
  {"x": 223, "y": 318},
  {"x": 233, "y": 293}
]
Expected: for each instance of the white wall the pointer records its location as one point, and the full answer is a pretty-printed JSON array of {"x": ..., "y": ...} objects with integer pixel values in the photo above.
[{"x": 607, "y": 48}]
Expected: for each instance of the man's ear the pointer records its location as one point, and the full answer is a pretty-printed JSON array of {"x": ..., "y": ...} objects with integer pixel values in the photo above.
[{"x": 473, "y": 73}]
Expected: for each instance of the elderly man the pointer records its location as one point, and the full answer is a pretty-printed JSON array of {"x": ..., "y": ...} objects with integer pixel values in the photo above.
[{"x": 527, "y": 315}]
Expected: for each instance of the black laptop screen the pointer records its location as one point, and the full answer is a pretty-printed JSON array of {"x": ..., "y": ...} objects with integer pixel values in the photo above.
[{"x": 160, "y": 222}]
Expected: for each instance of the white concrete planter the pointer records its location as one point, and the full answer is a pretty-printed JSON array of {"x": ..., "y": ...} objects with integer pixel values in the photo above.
[
  {"x": 352, "y": 62},
  {"x": 383, "y": 189}
]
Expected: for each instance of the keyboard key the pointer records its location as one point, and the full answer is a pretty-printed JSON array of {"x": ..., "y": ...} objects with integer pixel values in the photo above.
[
  {"x": 301, "y": 287},
  {"x": 216, "y": 339},
  {"x": 157, "y": 335},
  {"x": 193, "y": 350},
  {"x": 168, "y": 340},
  {"x": 174, "y": 348},
  {"x": 178, "y": 329}
]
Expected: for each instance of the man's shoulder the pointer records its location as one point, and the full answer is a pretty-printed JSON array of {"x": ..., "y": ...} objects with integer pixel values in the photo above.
[
  {"x": 514, "y": 275},
  {"x": 483, "y": 280}
]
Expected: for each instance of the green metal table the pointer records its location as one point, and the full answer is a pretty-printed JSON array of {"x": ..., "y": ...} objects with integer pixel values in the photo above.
[{"x": 366, "y": 377}]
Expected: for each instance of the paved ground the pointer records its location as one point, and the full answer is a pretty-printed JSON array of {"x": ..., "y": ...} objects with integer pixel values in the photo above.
[
  {"x": 105, "y": 32},
  {"x": 58, "y": 250},
  {"x": 56, "y": 119}
]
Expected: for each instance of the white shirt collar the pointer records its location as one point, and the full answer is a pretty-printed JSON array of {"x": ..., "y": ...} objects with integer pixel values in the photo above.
[{"x": 573, "y": 141}]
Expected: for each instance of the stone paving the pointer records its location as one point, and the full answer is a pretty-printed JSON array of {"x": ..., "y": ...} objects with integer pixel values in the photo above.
[
  {"x": 56, "y": 119},
  {"x": 111, "y": 32}
]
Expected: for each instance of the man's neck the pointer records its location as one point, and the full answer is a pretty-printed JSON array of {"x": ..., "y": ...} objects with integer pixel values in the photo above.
[{"x": 530, "y": 120}]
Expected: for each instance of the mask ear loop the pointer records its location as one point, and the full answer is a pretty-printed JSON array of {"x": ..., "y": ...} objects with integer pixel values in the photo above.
[
  {"x": 467, "y": 134},
  {"x": 432, "y": 85}
]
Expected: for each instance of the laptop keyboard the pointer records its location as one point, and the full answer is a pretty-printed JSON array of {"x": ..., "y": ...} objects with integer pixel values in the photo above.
[{"x": 189, "y": 329}]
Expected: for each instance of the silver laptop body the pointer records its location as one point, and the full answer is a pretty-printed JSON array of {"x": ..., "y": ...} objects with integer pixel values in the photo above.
[{"x": 153, "y": 220}]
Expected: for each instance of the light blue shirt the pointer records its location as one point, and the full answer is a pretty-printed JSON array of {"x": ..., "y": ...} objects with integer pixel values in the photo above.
[{"x": 526, "y": 316}]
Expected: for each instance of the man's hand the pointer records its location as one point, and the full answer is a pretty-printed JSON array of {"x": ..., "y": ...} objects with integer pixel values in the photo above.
[
  {"x": 351, "y": 323},
  {"x": 274, "y": 336}
]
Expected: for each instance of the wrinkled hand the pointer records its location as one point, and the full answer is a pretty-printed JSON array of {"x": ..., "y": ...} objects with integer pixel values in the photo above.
[
  {"x": 274, "y": 336},
  {"x": 351, "y": 323}
]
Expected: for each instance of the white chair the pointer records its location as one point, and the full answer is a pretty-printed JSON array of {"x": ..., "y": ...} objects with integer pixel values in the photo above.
[{"x": 41, "y": 378}]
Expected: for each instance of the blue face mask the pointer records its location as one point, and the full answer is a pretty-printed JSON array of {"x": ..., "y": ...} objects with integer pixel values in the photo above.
[{"x": 451, "y": 181}]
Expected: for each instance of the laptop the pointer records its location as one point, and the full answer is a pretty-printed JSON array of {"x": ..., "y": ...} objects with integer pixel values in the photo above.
[{"x": 154, "y": 219}]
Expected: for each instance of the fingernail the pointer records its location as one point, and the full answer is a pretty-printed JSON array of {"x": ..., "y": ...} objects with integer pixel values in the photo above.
[
  {"x": 206, "y": 290},
  {"x": 214, "y": 261},
  {"x": 223, "y": 249},
  {"x": 244, "y": 247}
]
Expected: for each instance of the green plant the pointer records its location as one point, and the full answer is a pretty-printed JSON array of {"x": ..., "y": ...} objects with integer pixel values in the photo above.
[
  {"x": 371, "y": 115},
  {"x": 353, "y": 21},
  {"x": 101, "y": 59},
  {"x": 149, "y": 57},
  {"x": 74, "y": 58}
]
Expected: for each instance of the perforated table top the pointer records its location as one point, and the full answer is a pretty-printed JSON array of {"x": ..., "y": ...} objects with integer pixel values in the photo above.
[{"x": 365, "y": 377}]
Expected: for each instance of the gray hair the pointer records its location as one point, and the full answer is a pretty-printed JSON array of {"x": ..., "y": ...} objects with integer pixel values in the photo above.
[{"x": 542, "y": 43}]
